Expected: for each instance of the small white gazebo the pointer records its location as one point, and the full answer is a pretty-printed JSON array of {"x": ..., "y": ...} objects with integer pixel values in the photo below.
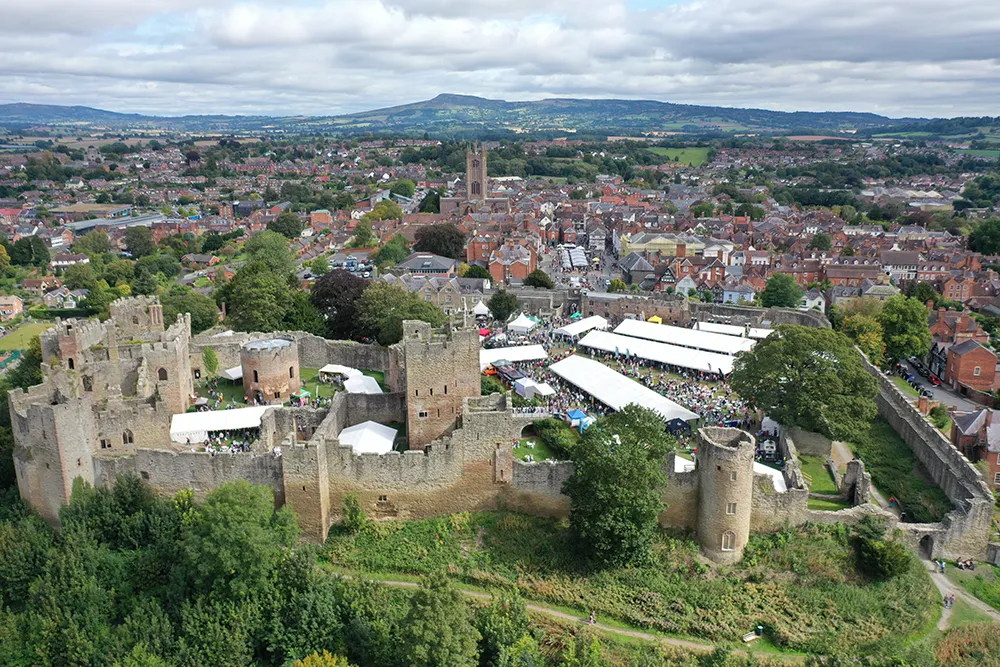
[
  {"x": 522, "y": 325},
  {"x": 481, "y": 310},
  {"x": 368, "y": 438}
]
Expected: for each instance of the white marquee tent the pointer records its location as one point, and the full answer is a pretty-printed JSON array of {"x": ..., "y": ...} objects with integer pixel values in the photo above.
[
  {"x": 699, "y": 340},
  {"x": 732, "y": 330},
  {"x": 337, "y": 369},
  {"x": 522, "y": 325},
  {"x": 362, "y": 384},
  {"x": 698, "y": 360},
  {"x": 614, "y": 389},
  {"x": 481, "y": 309},
  {"x": 574, "y": 329},
  {"x": 235, "y": 373},
  {"x": 516, "y": 353},
  {"x": 195, "y": 426},
  {"x": 368, "y": 438}
]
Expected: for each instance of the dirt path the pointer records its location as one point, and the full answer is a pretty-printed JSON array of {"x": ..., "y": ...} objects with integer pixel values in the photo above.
[{"x": 945, "y": 587}]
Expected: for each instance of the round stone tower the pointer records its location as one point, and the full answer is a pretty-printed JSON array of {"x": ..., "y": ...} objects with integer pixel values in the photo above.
[
  {"x": 270, "y": 370},
  {"x": 725, "y": 492}
]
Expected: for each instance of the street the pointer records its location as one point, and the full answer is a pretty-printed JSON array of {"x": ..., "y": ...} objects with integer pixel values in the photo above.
[{"x": 943, "y": 394}]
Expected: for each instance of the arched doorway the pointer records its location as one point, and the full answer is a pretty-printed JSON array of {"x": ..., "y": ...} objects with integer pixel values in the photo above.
[{"x": 927, "y": 547}]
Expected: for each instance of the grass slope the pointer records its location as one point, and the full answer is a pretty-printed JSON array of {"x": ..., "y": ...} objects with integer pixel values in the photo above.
[
  {"x": 691, "y": 156},
  {"x": 21, "y": 337}
]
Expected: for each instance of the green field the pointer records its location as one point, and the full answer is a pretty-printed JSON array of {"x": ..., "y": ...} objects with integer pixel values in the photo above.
[
  {"x": 540, "y": 452},
  {"x": 983, "y": 582},
  {"x": 817, "y": 475},
  {"x": 21, "y": 337},
  {"x": 990, "y": 154},
  {"x": 691, "y": 156},
  {"x": 905, "y": 387}
]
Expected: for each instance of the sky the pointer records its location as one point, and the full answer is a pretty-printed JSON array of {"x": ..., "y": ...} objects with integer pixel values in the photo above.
[{"x": 324, "y": 57}]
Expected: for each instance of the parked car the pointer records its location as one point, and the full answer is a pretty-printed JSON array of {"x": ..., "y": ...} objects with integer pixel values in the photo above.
[
  {"x": 934, "y": 380},
  {"x": 924, "y": 371}
]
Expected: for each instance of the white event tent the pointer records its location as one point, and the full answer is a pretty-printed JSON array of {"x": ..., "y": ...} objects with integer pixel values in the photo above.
[
  {"x": 574, "y": 329},
  {"x": 699, "y": 340},
  {"x": 368, "y": 438},
  {"x": 337, "y": 369},
  {"x": 614, "y": 389},
  {"x": 195, "y": 426},
  {"x": 362, "y": 384},
  {"x": 522, "y": 325},
  {"x": 480, "y": 309},
  {"x": 732, "y": 330},
  {"x": 683, "y": 357},
  {"x": 513, "y": 354},
  {"x": 235, "y": 373}
]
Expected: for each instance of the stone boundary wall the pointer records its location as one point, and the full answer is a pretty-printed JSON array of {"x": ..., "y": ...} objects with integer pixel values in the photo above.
[
  {"x": 755, "y": 316},
  {"x": 314, "y": 351},
  {"x": 965, "y": 531},
  {"x": 809, "y": 442},
  {"x": 993, "y": 553}
]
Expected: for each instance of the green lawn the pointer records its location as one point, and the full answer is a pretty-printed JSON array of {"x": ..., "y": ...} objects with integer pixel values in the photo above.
[
  {"x": 203, "y": 281},
  {"x": 310, "y": 380},
  {"x": 691, "y": 156},
  {"x": 905, "y": 387},
  {"x": 964, "y": 613},
  {"x": 990, "y": 153},
  {"x": 983, "y": 582},
  {"x": 828, "y": 505},
  {"x": 817, "y": 475},
  {"x": 800, "y": 583},
  {"x": 21, "y": 337},
  {"x": 896, "y": 472},
  {"x": 540, "y": 452}
]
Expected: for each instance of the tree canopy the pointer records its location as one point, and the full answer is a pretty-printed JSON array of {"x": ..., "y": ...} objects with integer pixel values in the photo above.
[
  {"x": 287, "y": 224},
  {"x": 502, "y": 305},
  {"x": 539, "y": 278},
  {"x": 985, "y": 238},
  {"x": 139, "y": 241},
  {"x": 383, "y": 307},
  {"x": 271, "y": 249},
  {"x": 476, "y": 271},
  {"x": 781, "y": 292},
  {"x": 615, "y": 490},
  {"x": 438, "y": 630},
  {"x": 443, "y": 239},
  {"x": 808, "y": 377},
  {"x": 336, "y": 295},
  {"x": 905, "y": 327}
]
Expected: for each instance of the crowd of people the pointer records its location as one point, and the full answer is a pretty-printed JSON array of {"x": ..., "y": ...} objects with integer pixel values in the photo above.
[{"x": 230, "y": 442}]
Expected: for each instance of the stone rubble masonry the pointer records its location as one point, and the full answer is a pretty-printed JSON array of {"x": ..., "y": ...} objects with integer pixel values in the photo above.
[
  {"x": 725, "y": 482},
  {"x": 271, "y": 368}
]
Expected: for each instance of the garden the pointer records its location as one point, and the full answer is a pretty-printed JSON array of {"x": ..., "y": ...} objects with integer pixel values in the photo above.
[{"x": 800, "y": 584}]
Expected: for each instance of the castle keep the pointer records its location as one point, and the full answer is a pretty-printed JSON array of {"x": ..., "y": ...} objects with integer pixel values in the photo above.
[{"x": 110, "y": 390}]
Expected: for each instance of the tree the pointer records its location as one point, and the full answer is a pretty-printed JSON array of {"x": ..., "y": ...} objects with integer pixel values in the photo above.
[
  {"x": 501, "y": 624},
  {"x": 985, "y": 238},
  {"x": 615, "y": 490},
  {"x": 781, "y": 292},
  {"x": 539, "y": 278},
  {"x": 443, "y": 239},
  {"x": 336, "y": 295},
  {"x": 404, "y": 187},
  {"x": 319, "y": 266},
  {"x": 905, "y": 327},
  {"x": 212, "y": 242},
  {"x": 502, "y": 304},
  {"x": 821, "y": 242},
  {"x": 139, "y": 241},
  {"x": 287, "y": 224},
  {"x": 271, "y": 249},
  {"x": 192, "y": 157},
  {"x": 302, "y": 315},
  {"x": 4, "y": 261},
  {"x": 384, "y": 307},
  {"x": 93, "y": 244},
  {"x": 354, "y": 516},
  {"x": 393, "y": 252},
  {"x": 29, "y": 251},
  {"x": 385, "y": 210},
  {"x": 438, "y": 629},
  {"x": 235, "y": 540},
  {"x": 211, "y": 361},
  {"x": 258, "y": 298},
  {"x": 80, "y": 276},
  {"x": 431, "y": 203},
  {"x": 617, "y": 285},
  {"x": 363, "y": 235},
  {"x": 808, "y": 377},
  {"x": 476, "y": 271},
  {"x": 203, "y": 310},
  {"x": 324, "y": 659},
  {"x": 866, "y": 332}
]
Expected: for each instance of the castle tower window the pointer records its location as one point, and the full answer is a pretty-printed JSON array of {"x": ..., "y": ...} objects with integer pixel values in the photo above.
[
  {"x": 105, "y": 444},
  {"x": 730, "y": 508},
  {"x": 69, "y": 362},
  {"x": 446, "y": 390},
  {"x": 732, "y": 476},
  {"x": 422, "y": 414},
  {"x": 161, "y": 374},
  {"x": 432, "y": 391},
  {"x": 88, "y": 383},
  {"x": 127, "y": 437},
  {"x": 291, "y": 371},
  {"x": 255, "y": 377},
  {"x": 277, "y": 394},
  {"x": 728, "y": 540}
]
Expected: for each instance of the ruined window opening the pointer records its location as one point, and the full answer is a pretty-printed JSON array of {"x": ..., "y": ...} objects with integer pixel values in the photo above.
[
  {"x": 291, "y": 371},
  {"x": 432, "y": 391},
  {"x": 416, "y": 392},
  {"x": 730, "y": 508},
  {"x": 446, "y": 390},
  {"x": 255, "y": 376},
  {"x": 303, "y": 488},
  {"x": 127, "y": 437},
  {"x": 197, "y": 374},
  {"x": 383, "y": 499},
  {"x": 728, "y": 540},
  {"x": 422, "y": 414},
  {"x": 144, "y": 475},
  {"x": 105, "y": 444},
  {"x": 732, "y": 476},
  {"x": 88, "y": 383},
  {"x": 277, "y": 394},
  {"x": 135, "y": 319},
  {"x": 69, "y": 362},
  {"x": 719, "y": 468},
  {"x": 161, "y": 374},
  {"x": 439, "y": 412}
]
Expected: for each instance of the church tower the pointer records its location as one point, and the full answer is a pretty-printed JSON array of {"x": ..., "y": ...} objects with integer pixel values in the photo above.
[{"x": 475, "y": 174}]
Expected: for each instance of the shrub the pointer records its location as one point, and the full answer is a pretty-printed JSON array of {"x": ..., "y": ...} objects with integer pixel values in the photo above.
[
  {"x": 939, "y": 416},
  {"x": 354, "y": 515},
  {"x": 975, "y": 644},
  {"x": 882, "y": 559}
]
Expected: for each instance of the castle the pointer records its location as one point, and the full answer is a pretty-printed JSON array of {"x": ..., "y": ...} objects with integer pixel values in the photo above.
[{"x": 111, "y": 389}]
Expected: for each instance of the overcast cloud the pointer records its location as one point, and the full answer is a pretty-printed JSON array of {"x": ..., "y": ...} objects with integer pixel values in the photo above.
[{"x": 171, "y": 57}]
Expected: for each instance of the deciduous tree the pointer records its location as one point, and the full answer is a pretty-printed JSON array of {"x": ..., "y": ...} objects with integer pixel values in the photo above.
[
  {"x": 905, "y": 327},
  {"x": 336, "y": 295},
  {"x": 781, "y": 292},
  {"x": 139, "y": 241},
  {"x": 539, "y": 278},
  {"x": 443, "y": 239},
  {"x": 502, "y": 304},
  {"x": 287, "y": 224},
  {"x": 438, "y": 629}
]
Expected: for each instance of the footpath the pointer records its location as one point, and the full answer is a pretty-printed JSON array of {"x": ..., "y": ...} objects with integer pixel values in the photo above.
[{"x": 946, "y": 587}]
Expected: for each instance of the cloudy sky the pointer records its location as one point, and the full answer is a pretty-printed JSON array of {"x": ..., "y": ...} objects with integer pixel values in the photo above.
[{"x": 895, "y": 57}]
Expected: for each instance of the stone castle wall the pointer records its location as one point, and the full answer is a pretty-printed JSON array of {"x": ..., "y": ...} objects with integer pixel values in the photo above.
[{"x": 741, "y": 315}]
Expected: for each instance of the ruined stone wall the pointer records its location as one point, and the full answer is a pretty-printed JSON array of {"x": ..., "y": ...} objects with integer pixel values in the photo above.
[
  {"x": 381, "y": 408},
  {"x": 128, "y": 425},
  {"x": 314, "y": 352},
  {"x": 680, "y": 497},
  {"x": 536, "y": 488},
  {"x": 306, "y": 480},
  {"x": 965, "y": 531},
  {"x": 771, "y": 510},
  {"x": 809, "y": 443},
  {"x": 136, "y": 316},
  {"x": 757, "y": 316}
]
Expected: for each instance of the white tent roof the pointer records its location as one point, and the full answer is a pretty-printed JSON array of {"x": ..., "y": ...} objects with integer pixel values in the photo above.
[
  {"x": 582, "y": 326},
  {"x": 522, "y": 324},
  {"x": 234, "y": 373},
  {"x": 516, "y": 353},
  {"x": 481, "y": 309},
  {"x": 777, "y": 478},
  {"x": 362, "y": 384},
  {"x": 525, "y": 382},
  {"x": 337, "y": 369},
  {"x": 543, "y": 389},
  {"x": 368, "y": 438},
  {"x": 699, "y": 360},
  {"x": 197, "y": 425},
  {"x": 614, "y": 389},
  {"x": 699, "y": 340},
  {"x": 732, "y": 330}
]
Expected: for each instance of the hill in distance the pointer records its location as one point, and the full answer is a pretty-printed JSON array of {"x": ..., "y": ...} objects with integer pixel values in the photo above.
[{"x": 449, "y": 113}]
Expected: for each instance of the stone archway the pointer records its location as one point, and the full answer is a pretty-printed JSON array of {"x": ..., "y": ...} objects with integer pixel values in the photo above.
[{"x": 927, "y": 547}]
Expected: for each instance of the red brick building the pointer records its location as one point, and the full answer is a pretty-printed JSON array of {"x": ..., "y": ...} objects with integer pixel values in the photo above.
[
  {"x": 975, "y": 435},
  {"x": 970, "y": 366}
]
